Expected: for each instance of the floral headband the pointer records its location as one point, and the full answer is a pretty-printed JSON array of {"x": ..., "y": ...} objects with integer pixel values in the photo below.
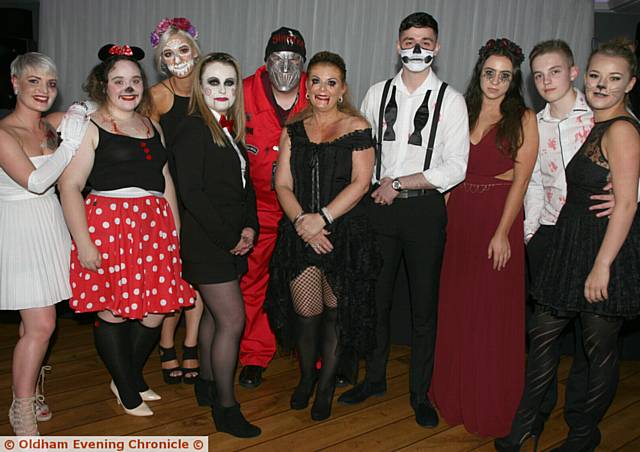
[
  {"x": 179, "y": 23},
  {"x": 502, "y": 44}
]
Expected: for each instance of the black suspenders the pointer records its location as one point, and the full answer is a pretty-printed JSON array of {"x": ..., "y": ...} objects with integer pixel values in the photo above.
[
  {"x": 434, "y": 126},
  {"x": 432, "y": 133},
  {"x": 385, "y": 91}
]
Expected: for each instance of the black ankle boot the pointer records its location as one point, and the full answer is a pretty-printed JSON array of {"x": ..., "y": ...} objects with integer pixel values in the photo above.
[
  {"x": 230, "y": 420},
  {"x": 321, "y": 408},
  {"x": 205, "y": 391},
  {"x": 507, "y": 444},
  {"x": 302, "y": 394}
]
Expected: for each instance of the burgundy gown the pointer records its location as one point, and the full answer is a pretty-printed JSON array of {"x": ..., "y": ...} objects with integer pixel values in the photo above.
[{"x": 479, "y": 361}]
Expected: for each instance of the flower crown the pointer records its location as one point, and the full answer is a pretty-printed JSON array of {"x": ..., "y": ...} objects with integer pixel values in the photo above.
[
  {"x": 502, "y": 44},
  {"x": 179, "y": 23}
]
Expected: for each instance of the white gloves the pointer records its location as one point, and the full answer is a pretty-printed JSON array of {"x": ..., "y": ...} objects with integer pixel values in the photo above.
[{"x": 72, "y": 129}]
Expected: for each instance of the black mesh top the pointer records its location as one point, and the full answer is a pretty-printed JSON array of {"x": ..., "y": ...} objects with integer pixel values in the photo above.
[{"x": 588, "y": 170}]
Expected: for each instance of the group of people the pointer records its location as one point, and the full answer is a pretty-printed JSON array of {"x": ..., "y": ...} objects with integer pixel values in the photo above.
[{"x": 271, "y": 207}]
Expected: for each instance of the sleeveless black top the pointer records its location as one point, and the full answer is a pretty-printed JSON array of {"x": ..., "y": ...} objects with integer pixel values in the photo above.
[
  {"x": 122, "y": 161},
  {"x": 171, "y": 119}
]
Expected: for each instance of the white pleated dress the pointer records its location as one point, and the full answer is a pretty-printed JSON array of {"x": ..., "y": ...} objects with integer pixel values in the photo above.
[{"x": 35, "y": 246}]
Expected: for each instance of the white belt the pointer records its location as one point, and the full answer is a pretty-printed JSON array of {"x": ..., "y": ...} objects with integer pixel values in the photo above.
[{"x": 128, "y": 192}]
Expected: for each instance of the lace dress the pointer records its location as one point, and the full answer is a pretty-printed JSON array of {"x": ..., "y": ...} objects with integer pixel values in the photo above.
[
  {"x": 577, "y": 239},
  {"x": 321, "y": 171}
]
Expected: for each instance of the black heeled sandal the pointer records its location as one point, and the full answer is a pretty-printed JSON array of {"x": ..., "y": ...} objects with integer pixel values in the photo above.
[
  {"x": 190, "y": 374},
  {"x": 169, "y": 354}
]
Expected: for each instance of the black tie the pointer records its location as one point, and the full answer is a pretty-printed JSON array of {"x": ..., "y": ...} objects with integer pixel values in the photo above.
[
  {"x": 390, "y": 114},
  {"x": 420, "y": 120}
]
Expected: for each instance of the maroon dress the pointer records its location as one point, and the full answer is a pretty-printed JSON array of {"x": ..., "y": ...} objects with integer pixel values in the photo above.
[{"x": 479, "y": 360}]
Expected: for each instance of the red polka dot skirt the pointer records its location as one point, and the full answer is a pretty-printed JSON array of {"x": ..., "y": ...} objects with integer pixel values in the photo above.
[{"x": 141, "y": 271}]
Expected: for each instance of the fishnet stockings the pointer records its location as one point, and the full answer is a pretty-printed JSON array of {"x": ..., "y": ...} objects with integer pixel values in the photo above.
[
  {"x": 315, "y": 303},
  {"x": 311, "y": 293}
]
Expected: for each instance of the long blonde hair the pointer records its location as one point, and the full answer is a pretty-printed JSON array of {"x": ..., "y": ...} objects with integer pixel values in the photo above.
[{"x": 197, "y": 104}]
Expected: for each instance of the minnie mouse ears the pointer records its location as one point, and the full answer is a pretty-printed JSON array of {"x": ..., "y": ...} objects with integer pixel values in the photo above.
[{"x": 110, "y": 50}]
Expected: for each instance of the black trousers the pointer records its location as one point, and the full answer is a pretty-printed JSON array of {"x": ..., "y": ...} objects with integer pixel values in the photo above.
[
  {"x": 576, "y": 390},
  {"x": 413, "y": 228}
]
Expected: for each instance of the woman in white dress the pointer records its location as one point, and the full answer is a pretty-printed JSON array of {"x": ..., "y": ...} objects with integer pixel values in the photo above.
[{"x": 34, "y": 242}]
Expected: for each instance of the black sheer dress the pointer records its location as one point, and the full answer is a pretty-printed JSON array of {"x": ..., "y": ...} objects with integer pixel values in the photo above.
[
  {"x": 577, "y": 239},
  {"x": 321, "y": 171}
]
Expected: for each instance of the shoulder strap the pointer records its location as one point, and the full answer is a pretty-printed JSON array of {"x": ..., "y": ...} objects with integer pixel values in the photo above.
[
  {"x": 385, "y": 91},
  {"x": 434, "y": 126},
  {"x": 163, "y": 84}
]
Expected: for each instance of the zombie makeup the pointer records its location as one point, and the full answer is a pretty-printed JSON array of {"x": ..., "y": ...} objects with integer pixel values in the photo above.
[
  {"x": 219, "y": 81},
  {"x": 178, "y": 56},
  {"x": 284, "y": 70}
]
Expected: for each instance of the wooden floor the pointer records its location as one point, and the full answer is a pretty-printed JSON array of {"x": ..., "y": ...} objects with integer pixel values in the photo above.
[{"x": 78, "y": 394}]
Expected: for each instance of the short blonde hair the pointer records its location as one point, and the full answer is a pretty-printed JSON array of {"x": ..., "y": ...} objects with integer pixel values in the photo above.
[{"x": 32, "y": 60}]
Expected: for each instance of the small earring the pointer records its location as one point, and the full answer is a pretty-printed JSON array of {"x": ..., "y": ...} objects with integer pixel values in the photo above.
[
  {"x": 340, "y": 100},
  {"x": 306, "y": 96},
  {"x": 15, "y": 92}
]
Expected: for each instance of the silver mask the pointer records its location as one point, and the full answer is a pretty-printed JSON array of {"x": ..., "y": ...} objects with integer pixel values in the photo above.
[{"x": 284, "y": 70}]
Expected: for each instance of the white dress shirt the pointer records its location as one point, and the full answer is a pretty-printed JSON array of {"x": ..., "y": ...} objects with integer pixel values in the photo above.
[
  {"x": 560, "y": 140},
  {"x": 451, "y": 149}
]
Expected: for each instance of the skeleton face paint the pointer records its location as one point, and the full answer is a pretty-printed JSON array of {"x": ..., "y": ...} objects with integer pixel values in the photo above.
[
  {"x": 284, "y": 70},
  {"x": 416, "y": 59},
  {"x": 178, "y": 56},
  {"x": 219, "y": 81}
]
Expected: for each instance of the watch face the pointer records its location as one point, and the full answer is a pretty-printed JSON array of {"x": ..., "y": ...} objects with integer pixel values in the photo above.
[{"x": 395, "y": 185}]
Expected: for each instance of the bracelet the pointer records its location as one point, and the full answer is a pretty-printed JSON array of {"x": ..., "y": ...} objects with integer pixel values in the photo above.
[
  {"x": 326, "y": 216},
  {"x": 295, "y": 220}
]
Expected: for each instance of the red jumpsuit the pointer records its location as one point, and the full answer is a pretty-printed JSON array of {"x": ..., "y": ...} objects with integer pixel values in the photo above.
[{"x": 263, "y": 131}]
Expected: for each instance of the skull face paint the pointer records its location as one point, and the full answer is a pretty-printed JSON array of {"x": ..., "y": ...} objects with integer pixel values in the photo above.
[
  {"x": 416, "y": 59},
  {"x": 284, "y": 70},
  {"x": 219, "y": 81},
  {"x": 178, "y": 56}
]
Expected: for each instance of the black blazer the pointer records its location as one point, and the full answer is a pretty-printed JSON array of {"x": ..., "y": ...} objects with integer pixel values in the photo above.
[{"x": 217, "y": 206}]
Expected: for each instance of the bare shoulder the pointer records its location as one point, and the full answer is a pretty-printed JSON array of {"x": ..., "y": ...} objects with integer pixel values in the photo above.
[
  {"x": 162, "y": 98},
  {"x": 529, "y": 118},
  {"x": 623, "y": 130},
  {"x": 358, "y": 123},
  {"x": 54, "y": 118}
]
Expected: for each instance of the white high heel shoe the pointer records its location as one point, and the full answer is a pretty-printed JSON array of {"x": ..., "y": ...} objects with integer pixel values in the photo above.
[
  {"x": 147, "y": 396},
  {"x": 141, "y": 410},
  {"x": 150, "y": 395}
]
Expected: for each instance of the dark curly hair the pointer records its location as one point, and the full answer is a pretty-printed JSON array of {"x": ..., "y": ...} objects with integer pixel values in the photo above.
[
  {"x": 96, "y": 84},
  {"x": 510, "y": 134}
]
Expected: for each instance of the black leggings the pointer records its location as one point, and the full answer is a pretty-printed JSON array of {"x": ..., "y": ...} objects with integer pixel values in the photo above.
[{"x": 600, "y": 336}]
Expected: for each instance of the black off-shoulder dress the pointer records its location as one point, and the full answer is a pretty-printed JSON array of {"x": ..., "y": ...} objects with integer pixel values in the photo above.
[{"x": 321, "y": 171}]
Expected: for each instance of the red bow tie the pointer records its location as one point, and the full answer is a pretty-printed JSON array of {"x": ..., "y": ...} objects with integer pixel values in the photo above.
[{"x": 224, "y": 122}]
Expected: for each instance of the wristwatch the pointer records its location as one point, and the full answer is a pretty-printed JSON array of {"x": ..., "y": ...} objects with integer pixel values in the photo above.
[{"x": 396, "y": 185}]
